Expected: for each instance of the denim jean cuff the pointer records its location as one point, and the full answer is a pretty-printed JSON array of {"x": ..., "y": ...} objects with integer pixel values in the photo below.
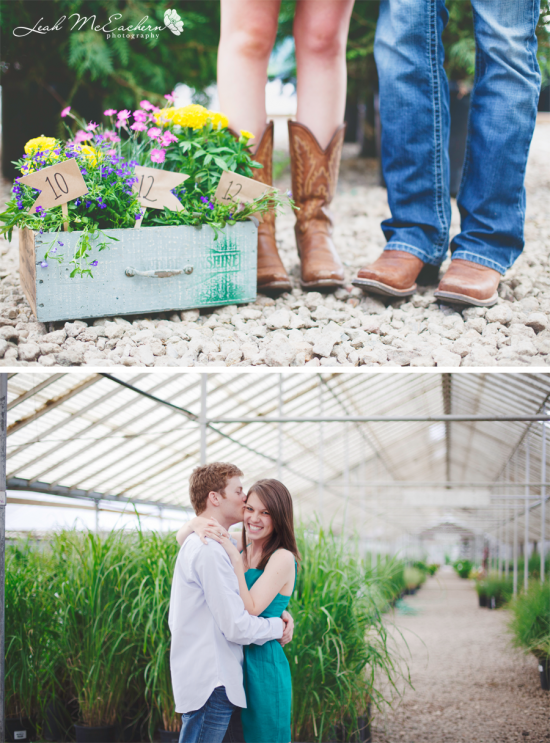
[
  {"x": 418, "y": 252},
  {"x": 465, "y": 255}
]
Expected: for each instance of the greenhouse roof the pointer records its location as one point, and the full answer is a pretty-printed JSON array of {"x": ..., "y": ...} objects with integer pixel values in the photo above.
[{"x": 136, "y": 436}]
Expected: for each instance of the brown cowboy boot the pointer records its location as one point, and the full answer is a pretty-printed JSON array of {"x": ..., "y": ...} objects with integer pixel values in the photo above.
[
  {"x": 466, "y": 282},
  {"x": 314, "y": 177},
  {"x": 392, "y": 274},
  {"x": 271, "y": 272}
]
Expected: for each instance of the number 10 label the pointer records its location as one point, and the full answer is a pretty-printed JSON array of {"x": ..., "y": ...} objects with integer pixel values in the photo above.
[{"x": 58, "y": 184}]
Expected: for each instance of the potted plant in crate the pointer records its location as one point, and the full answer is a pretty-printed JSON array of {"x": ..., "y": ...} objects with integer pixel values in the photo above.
[
  {"x": 530, "y": 625},
  {"x": 200, "y": 253}
]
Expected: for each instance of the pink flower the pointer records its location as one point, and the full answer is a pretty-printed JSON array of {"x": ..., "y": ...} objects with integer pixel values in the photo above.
[
  {"x": 111, "y": 136},
  {"x": 111, "y": 152},
  {"x": 65, "y": 112},
  {"x": 139, "y": 126},
  {"x": 170, "y": 97},
  {"x": 155, "y": 110},
  {"x": 158, "y": 156},
  {"x": 82, "y": 136},
  {"x": 123, "y": 115},
  {"x": 154, "y": 132},
  {"x": 91, "y": 126},
  {"x": 167, "y": 138},
  {"x": 147, "y": 105},
  {"x": 140, "y": 115},
  {"x": 110, "y": 112}
]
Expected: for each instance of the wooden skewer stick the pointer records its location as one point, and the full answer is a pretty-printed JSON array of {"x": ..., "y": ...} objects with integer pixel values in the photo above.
[
  {"x": 140, "y": 220},
  {"x": 65, "y": 212}
]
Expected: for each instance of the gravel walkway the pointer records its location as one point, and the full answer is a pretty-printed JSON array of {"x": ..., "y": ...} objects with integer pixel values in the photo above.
[
  {"x": 345, "y": 329},
  {"x": 470, "y": 686}
]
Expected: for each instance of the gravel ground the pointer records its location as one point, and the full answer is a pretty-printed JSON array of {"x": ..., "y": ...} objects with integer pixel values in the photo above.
[
  {"x": 314, "y": 329},
  {"x": 470, "y": 686}
]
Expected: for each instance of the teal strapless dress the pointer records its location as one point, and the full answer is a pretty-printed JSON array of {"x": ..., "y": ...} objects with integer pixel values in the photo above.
[{"x": 267, "y": 682}]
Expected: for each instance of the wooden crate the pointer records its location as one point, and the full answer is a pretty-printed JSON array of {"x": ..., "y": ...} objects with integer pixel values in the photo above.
[{"x": 185, "y": 268}]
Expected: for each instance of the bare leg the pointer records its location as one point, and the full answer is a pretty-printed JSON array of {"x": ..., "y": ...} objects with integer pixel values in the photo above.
[
  {"x": 321, "y": 31},
  {"x": 248, "y": 31}
]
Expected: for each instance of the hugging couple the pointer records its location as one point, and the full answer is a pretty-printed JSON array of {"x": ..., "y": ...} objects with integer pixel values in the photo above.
[
  {"x": 229, "y": 594},
  {"x": 415, "y": 127}
]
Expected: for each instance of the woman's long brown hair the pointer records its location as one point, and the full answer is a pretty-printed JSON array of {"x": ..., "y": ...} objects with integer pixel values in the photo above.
[{"x": 278, "y": 502}]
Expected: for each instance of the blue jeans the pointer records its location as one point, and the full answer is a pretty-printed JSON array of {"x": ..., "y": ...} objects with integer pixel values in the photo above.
[
  {"x": 415, "y": 120},
  {"x": 209, "y": 723}
]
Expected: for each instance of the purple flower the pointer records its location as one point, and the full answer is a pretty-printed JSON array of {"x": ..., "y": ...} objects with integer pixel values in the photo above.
[
  {"x": 88, "y": 204},
  {"x": 59, "y": 243},
  {"x": 138, "y": 215},
  {"x": 210, "y": 206},
  {"x": 204, "y": 200},
  {"x": 44, "y": 264},
  {"x": 53, "y": 251},
  {"x": 78, "y": 202},
  {"x": 94, "y": 263}
]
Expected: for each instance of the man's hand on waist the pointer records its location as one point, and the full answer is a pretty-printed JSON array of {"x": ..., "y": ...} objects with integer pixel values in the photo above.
[{"x": 288, "y": 628}]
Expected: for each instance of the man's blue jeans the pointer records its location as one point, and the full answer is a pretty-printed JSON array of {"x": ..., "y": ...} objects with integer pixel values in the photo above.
[
  {"x": 414, "y": 114},
  {"x": 209, "y": 723}
]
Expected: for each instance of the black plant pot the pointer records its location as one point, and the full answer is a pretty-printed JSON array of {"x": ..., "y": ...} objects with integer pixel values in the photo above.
[
  {"x": 95, "y": 733},
  {"x": 60, "y": 720},
  {"x": 362, "y": 735},
  {"x": 482, "y": 601},
  {"x": 544, "y": 670},
  {"x": 166, "y": 736},
  {"x": 20, "y": 728}
]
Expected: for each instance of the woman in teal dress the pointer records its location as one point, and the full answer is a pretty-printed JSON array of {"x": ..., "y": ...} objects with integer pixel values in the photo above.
[{"x": 265, "y": 562}]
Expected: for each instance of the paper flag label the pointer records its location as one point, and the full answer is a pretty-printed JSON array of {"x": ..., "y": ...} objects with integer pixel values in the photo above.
[
  {"x": 236, "y": 189},
  {"x": 153, "y": 188},
  {"x": 59, "y": 184}
]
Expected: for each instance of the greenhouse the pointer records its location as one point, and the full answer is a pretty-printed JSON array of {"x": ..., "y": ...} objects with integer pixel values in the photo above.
[{"x": 422, "y": 599}]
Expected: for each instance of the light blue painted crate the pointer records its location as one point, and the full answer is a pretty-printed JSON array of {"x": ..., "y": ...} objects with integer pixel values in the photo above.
[{"x": 151, "y": 269}]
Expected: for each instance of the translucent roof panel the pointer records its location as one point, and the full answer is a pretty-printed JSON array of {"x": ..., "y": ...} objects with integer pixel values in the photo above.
[{"x": 137, "y": 436}]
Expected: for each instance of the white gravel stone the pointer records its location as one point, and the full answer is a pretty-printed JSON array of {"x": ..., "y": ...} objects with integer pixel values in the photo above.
[
  {"x": 29, "y": 351},
  {"x": 57, "y": 336},
  {"x": 279, "y": 319},
  {"x": 538, "y": 321},
  {"x": 145, "y": 355},
  {"x": 114, "y": 330},
  {"x": 501, "y": 313},
  {"x": 443, "y": 357},
  {"x": 3, "y": 347}
]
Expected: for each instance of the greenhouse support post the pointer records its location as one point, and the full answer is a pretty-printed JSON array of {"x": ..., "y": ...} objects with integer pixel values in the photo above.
[
  {"x": 321, "y": 455},
  {"x": 515, "y": 549},
  {"x": 202, "y": 419},
  {"x": 280, "y": 432},
  {"x": 3, "y": 423},
  {"x": 543, "y": 503},
  {"x": 526, "y": 518}
]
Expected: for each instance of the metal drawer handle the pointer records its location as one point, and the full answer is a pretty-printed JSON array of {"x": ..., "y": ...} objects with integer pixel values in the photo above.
[{"x": 161, "y": 273}]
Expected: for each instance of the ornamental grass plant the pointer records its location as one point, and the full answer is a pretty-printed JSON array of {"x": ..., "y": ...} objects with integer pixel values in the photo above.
[
  {"x": 530, "y": 622},
  {"x": 96, "y": 631},
  {"x": 340, "y": 641},
  {"x": 31, "y": 626}
]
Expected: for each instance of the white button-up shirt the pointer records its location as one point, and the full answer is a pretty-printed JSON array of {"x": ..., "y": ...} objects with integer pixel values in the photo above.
[{"x": 209, "y": 626}]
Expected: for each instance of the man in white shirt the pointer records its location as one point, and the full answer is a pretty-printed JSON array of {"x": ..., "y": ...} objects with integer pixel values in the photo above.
[{"x": 207, "y": 618}]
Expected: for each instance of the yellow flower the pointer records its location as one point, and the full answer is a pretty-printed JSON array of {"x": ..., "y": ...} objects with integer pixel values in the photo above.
[
  {"x": 247, "y": 135},
  {"x": 192, "y": 116},
  {"x": 89, "y": 152},
  {"x": 40, "y": 144},
  {"x": 218, "y": 118}
]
